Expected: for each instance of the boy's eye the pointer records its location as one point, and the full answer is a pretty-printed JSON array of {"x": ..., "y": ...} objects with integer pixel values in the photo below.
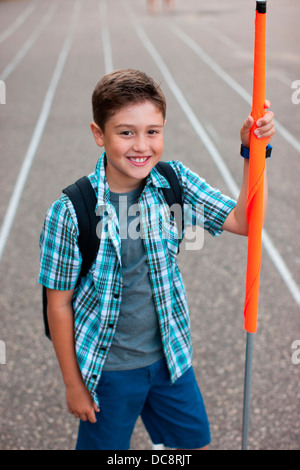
[
  {"x": 152, "y": 132},
  {"x": 126, "y": 133}
]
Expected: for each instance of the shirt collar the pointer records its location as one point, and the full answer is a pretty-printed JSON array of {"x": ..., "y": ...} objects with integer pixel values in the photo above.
[
  {"x": 103, "y": 188},
  {"x": 155, "y": 178}
]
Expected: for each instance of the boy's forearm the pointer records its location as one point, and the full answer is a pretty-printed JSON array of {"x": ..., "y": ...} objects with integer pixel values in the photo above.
[
  {"x": 61, "y": 324},
  {"x": 241, "y": 207},
  {"x": 62, "y": 335},
  {"x": 237, "y": 221}
]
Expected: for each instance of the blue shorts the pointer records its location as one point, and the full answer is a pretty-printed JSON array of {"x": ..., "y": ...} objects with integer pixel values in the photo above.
[{"x": 174, "y": 415}]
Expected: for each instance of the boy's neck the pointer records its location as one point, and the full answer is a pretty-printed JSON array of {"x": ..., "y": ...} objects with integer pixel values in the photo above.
[
  {"x": 119, "y": 189},
  {"x": 126, "y": 186},
  {"x": 137, "y": 190}
]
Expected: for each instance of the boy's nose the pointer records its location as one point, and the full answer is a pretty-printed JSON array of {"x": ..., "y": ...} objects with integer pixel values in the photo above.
[{"x": 140, "y": 144}]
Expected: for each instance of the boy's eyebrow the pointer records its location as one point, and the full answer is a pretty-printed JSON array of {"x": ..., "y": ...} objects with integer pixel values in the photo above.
[{"x": 133, "y": 125}]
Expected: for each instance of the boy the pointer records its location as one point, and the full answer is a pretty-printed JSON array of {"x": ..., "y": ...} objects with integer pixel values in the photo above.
[
  {"x": 168, "y": 4},
  {"x": 122, "y": 335}
]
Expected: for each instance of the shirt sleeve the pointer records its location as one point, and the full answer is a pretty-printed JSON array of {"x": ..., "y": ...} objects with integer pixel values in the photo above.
[
  {"x": 203, "y": 205},
  {"x": 60, "y": 258}
]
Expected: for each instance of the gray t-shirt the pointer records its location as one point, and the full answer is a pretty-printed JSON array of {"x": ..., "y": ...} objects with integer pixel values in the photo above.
[{"x": 137, "y": 340}]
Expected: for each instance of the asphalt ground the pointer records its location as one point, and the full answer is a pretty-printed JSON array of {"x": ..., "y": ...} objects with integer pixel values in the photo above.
[{"x": 52, "y": 55}]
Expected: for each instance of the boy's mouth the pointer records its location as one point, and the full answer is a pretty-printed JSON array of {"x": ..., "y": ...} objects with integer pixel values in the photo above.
[{"x": 139, "y": 161}]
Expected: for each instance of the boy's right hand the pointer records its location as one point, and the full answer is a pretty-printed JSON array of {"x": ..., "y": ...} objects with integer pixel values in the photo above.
[{"x": 80, "y": 403}]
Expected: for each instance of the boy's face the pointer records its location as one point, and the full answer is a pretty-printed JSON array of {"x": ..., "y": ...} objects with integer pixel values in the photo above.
[{"x": 133, "y": 142}]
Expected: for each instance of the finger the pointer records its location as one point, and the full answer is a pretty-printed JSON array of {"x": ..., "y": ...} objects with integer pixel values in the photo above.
[
  {"x": 267, "y": 131},
  {"x": 266, "y": 124},
  {"x": 77, "y": 415},
  {"x": 267, "y": 104},
  {"x": 83, "y": 417},
  {"x": 266, "y": 119},
  {"x": 91, "y": 417},
  {"x": 245, "y": 129},
  {"x": 248, "y": 122},
  {"x": 264, "y": 129},
  {"x": 96, "y": 408}
]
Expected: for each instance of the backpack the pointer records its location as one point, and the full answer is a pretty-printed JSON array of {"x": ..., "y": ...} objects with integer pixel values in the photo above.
[{"x": 83, "y": 197}]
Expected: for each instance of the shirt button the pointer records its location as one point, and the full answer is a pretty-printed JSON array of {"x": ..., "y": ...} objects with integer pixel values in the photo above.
[
  {"x": 116, "y": 296},
  {"x": 94, "y": 376}
]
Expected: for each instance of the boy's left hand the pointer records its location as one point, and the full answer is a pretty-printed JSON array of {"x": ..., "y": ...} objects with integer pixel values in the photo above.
[{"x": 265, "y": 128}]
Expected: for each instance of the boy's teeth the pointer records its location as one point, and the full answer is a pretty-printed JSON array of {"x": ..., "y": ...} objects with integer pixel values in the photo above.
[{"x": 139, "y": 159}]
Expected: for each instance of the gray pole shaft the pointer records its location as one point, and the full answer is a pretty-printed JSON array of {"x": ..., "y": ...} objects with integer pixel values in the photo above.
[{"x": 247, "y": 389}]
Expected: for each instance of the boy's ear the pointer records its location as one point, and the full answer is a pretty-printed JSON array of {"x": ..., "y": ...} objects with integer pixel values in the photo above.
[{"x": 97, "y": 133}]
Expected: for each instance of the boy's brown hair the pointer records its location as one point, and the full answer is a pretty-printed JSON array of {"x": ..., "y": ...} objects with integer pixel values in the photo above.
[{"x": 123, "y": 88}]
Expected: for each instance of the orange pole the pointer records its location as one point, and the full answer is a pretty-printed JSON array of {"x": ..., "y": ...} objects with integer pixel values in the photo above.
[{"x": 256, "y": 174}]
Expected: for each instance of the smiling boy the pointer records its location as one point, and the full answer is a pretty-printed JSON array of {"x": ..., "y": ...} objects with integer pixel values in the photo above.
[
  {"x": 133, "y": 142},
  {"x": 122, "y": 335}
]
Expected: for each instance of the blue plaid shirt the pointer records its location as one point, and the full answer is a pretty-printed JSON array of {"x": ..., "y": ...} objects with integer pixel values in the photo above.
[{"x": 98, "y": 297}]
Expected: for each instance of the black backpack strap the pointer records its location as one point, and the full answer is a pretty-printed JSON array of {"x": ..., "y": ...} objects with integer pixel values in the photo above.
[
  {"x": 173, "y": 194},
  {"x": 83, "y": 197},
  {"x": 45, "y": 317}
]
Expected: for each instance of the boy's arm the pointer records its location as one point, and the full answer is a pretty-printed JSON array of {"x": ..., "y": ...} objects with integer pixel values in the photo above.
[
  {"x": 60, "y": 318},
  {"x": 236, "y": 222}
]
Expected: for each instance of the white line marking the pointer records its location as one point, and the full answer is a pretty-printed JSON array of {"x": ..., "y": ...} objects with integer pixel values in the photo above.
[
  {"x": 18, "y": 21},
  {"x": 28, "y": 44},
  {"x": 217, "y": 158},
  {"x": 220, "y": 36},
  {"x": 281, "y": 266},
  {"x": 108, "y": 62},
  {"x": 273, "y": 73},
  {"x": 37, "y": 134},
  {"x": 230, "y": 81}
]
